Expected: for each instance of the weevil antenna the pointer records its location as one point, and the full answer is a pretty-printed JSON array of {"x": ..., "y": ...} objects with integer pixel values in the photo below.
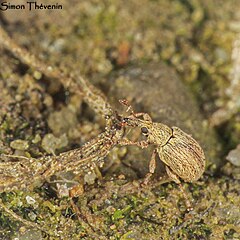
[{"x": 126, "y": 103}]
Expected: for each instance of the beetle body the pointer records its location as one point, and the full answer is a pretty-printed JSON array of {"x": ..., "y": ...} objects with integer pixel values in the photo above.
[
  {"x": 183, "y": 155},
  {"x": 180, "y": 152}
]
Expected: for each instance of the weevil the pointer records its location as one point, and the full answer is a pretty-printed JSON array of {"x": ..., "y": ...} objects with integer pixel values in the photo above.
[{"x": 181, "y": 154}]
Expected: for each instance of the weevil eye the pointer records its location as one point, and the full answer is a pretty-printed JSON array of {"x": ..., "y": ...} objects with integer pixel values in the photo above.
[{"x": 144, "y": 130}]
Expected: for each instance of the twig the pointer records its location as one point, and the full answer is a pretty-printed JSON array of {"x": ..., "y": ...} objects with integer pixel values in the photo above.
[
  {"x": 26, "y": 172},
  {"x": 75, "y": 83}
]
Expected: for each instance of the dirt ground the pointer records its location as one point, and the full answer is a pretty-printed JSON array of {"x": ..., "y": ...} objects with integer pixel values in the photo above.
[{"x": 171, "y": 59}]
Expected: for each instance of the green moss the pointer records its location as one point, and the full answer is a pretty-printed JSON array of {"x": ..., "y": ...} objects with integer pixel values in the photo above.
[{"x": 120, "y": 213}]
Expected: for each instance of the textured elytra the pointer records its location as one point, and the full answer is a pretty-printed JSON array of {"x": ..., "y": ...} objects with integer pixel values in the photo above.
[
  {"x": 183, "y": 155},
  {"x": 180, "y": 152}
]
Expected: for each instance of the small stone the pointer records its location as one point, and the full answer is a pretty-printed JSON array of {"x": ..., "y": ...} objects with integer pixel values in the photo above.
[
  {"x": 234, "y": 156},
  {"x": 30, "y": 200},
  {"x": 31, "y": 234},
  {"x": 90, "y": 178},
  {"x": 37, "y": 75},
  {"x": 18, "y": 97},
  {"x": 62, "y": 121},
  {"x": 22, "y": 229},
  {"x": 112, "y": 227},
  {"x": 50, "y": 143},
  {"x": 62, "y": 190},
  {"x": 107, "y": 201},
  {"x": 19, "y": 144},
  {"x": 32, "y": 216},
  {"x": 76, "y": 190},
  {"x": 48, "y": 101},
  {"x": 121, "y": 177},
  {"x": 36, "y": 139},
  {"x": 87, "y": 128},
  {"x": 21, "y": 153}
]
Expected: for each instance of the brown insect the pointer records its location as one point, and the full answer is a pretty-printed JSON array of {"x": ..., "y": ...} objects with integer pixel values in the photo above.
[{"x": 182, "y": 155}]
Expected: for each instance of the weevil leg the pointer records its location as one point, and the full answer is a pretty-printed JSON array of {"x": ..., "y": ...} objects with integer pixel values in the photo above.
[
  {"x": 97, "y": 172},
  {"x": 126, "y": 142},
  {"x": 144, "y": 115},
  {"x": 172, "y": 175},
  {"x": 176, "y": 179},
  {"x": 128, "y": 105},
  {"x": 151, "y": 166},
  {"x": 130, "y": 108}
]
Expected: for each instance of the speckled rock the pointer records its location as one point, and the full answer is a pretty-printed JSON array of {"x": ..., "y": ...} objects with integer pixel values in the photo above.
[
  {"x": 19, "y": 144},
  {"x": 50, "y": 143},
  {"x": 234, "y": 156}
]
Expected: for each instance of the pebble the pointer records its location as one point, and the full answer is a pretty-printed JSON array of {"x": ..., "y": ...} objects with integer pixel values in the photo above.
[
  {"x": 234, "y": 156},
  {"x": 19, "y": 144},
  {"x": 50, "y": 143},
  {"x": 30, "y": 200}
]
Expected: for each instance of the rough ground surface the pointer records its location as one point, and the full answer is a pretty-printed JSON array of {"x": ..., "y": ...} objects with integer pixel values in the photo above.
[{"x": 106, "y": 41}]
